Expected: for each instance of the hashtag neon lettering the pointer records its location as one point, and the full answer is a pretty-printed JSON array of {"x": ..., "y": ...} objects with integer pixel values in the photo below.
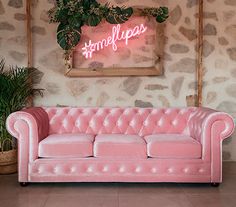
[{"x": 116, "y": 35}]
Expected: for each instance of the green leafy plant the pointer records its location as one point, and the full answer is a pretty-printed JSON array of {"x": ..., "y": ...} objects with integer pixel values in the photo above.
[
  {"x": 16, "y": 87},
  {"x": 161, "y": 14},
  {"x": 73, "y": 14}
]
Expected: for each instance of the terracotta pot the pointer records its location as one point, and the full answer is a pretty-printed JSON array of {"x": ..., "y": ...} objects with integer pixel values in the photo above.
[{"x": 8, "y": 162}]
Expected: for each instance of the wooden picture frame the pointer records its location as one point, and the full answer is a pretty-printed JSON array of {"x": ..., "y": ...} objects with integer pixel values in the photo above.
[
  {"x": 200, "y": 53},
  {"x": 71, "y": 72},
  {"x": 155, "y": 70}
]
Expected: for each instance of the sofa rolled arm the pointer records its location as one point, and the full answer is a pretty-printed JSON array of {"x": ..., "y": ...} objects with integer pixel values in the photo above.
[
  {"x": 202, "y": 121},
  {"x": 29, "y": 126},
  {"x": 35, "y": 117},
  {"x": 210, "y": 128}
]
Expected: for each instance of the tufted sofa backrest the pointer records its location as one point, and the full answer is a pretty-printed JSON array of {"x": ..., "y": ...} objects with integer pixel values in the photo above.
[{"x": 141, "y": 121}]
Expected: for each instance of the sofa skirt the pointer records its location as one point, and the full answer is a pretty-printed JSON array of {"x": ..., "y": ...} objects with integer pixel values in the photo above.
[{"x": 107, "y": 170}]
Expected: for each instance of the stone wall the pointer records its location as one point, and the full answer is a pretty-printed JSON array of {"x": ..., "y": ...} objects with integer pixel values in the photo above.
[{"x": 171, "y": 89}]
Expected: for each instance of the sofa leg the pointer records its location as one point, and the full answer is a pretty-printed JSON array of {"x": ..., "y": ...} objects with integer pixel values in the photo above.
[
  {"x": 215, "y": 184},
  {"x": 23, "y": 184}
]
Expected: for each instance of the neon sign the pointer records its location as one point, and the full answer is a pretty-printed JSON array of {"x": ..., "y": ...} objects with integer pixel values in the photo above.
[{"x": 117, "y": 35}]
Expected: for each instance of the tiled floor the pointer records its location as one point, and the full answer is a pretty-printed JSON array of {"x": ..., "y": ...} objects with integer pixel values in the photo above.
[{"x": 120, "y": 194}]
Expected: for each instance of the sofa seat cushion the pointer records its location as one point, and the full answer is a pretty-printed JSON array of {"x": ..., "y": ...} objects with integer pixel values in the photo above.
[
  {"x": 173, "y": 146},
  {"x": 119, "y": 146},
  {"x": 66, "y": 145}
]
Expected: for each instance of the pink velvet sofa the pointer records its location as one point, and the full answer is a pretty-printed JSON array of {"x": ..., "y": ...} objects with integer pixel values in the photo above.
[{"x": 120, "y": 144}]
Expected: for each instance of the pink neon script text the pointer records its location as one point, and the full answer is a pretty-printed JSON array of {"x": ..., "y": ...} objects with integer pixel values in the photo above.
[{"x": 115, "y": 36}]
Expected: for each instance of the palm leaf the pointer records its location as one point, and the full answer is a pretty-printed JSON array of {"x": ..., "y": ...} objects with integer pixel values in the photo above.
[{"x": 16, "y": 86}]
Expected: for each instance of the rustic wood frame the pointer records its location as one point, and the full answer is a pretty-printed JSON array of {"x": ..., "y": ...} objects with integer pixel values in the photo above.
[
  {"x": 156, "y": 70},
  {"x": 71, "y": 73},
  {"x": 29, "y": 34},
  {"x": 29, "y": 43},
  {"x": 200, "y": 54}
]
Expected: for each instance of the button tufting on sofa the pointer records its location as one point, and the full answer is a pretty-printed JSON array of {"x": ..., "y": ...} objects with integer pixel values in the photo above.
[
  {"x": 170, "y": 170},
  {"x": 90, "y": 169},
  {"x": 55, "y": 170},
  {"x": 122, "y": 169},
  {"x": 105, "y": 169},
  {"x": 201, "y": 170},
  {"x": 186, "y": 170},
  {"x": 72, "y": 169},
  {"x": 138, "y": 169},
  {"x": 154, "y": 170},
  {"x": 136, "y": 145}
]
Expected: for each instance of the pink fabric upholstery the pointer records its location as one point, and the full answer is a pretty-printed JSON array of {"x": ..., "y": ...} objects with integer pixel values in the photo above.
[
  {"x": 119, "y": 170},
  {"x": 211, "y": 127},
  {"x": 41, "y": 119},
  {"x": 29, "y": 126},
  {"x": 119, "y": 146},
  {"x": 66, "y": 145},
  {"x": 173, "y": 146},
  {"x": 137, "y": 121},
  {"x": 206, "y": 126}
]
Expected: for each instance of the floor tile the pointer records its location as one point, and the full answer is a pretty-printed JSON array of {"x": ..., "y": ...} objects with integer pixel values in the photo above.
[
  {"x": 229, "y": 168},
  {"x": 228, "y": 186},
  {"x": 9, "y": 186},
  {"x": 197, "y": 188},
  {"x": 210, "y": 200},
  {"x": 24, "y": 201},
  {"x": 141, "y": 188},
  {"x": 160, "y": 200},
  {"x": 149, "y": 188},
  {"x": 85, "y": 189},
  {"x": 82, "y": 201}
]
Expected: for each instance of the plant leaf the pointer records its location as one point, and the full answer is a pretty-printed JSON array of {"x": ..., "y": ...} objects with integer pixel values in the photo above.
[
  {"x": 75, "y": 22},
  {"x": 62, "y": 15},
  {"x": 67, "y": 36},
  {"x": 93, "y": 20},
  {"x": 119, "y": 15},
  {"x": 128, "y": 11},
  {"x": 164, "y": 14},
  {"x": 15, "y": 89}
]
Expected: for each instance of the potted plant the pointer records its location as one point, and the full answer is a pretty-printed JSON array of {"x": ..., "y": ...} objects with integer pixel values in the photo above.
[{"x": 16, "y": 87}]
